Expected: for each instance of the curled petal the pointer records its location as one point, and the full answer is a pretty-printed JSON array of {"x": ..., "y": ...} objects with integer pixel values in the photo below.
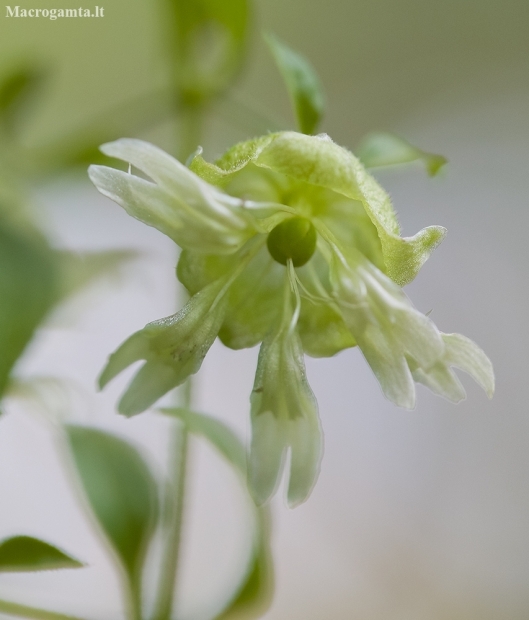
[
  {"x": 319, "y": 162},
  {"x": 284, "y": 415},
  {"x": 173, "y": 348},
  {"x": 178, "y": 203}
]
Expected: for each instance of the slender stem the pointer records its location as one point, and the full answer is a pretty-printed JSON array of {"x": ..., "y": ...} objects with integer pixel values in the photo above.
[
  {"x": 190, "y": 122},
  {"x": 23, "y": 611},
  {"x": 173, "y": 511}
]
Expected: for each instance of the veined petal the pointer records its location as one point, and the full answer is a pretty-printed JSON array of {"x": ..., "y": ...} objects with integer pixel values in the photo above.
[
  {"x": 173, "y": 347},
  {"x": 180, "y": 204},
  {"x": 464, "y": 354},
  {"x": 284, "y": 414},
  {"x": 385, "y": 325},
  {"x": 254, "y": 299}
]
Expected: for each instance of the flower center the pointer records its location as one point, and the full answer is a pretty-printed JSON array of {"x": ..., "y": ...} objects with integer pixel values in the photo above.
[{"x": 294, "y": 238}]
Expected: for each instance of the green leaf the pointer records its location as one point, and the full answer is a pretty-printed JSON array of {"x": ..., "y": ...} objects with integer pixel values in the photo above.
[
  {"x": 121, "y": 492},
  {"x": 17, "y": 89},
  {"x": 218, "y": 434},
  {"x": 386, "y": 149},
  {"x": 304, "y": 88},
  {"x": 24, "y": 554},
  {"x": 27, "y": 291},
  {"x": 208, "y": 39},
  {"x": 253, "y": 595}
]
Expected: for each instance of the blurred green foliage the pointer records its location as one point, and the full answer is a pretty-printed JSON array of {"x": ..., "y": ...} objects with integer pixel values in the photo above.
[{"x": 27, "y": 554}]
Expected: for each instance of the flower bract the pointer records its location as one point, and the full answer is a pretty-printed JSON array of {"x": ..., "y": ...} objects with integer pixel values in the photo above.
[{"x": 287, "y": 242}]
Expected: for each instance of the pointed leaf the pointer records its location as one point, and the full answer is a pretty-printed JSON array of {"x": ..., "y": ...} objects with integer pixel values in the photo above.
[
  {"x": 120, "y": 490},
  {"x": 386, "y": 149},
  {"x": 303, "y": 85},
  {"x": 27, "y": 291},
  {"x": 24, "y": 554}
]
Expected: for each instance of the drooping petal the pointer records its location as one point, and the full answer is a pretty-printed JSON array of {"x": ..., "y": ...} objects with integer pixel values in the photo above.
[
  {"x": 181, "y": 205},
  {"x": 284, "y": 414},
  {"x": 173, "y": 347},
  {"x": 464, "y": 354},
  {"x": 385, "y": 325}
]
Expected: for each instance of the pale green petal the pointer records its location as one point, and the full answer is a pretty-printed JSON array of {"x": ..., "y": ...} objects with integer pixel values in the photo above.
[
  {"x": 135, "y": 348},
  {"x": 284, "y": 414},
  {"x": 253, "y": 301},
  {"x": 266, "y": 456},
  {"x": 387, "y": 360},
  {"x": 441, "y": 380},
  {"x": 462, "y": 353},
  {"x": 152, "y": 381},
  {"x": 465, "y": 354},
  {"x": 306, "y": 451},
  {"x": 141, "y": 199},
  {"x": 386, "y": 327},
  {"x": 387, "y": 149},
  {"x": 322, "y": 330},
  {"x": 318, "y": 161},
  {"x": 179, "y": 203},
  {"x": 173, "y": 348}
]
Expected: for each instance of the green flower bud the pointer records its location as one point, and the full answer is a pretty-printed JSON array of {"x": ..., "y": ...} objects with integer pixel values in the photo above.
[{"x": 295, "y": 239}]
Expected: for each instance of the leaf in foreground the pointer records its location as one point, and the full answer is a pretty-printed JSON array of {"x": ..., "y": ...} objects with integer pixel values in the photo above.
[
  {"x": 25, "y": 554},
  {"x": 121, "y": 492}
]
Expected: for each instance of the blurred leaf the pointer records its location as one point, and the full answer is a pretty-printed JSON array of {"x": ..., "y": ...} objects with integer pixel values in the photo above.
[
  {"x": 386, "y": 149},
  {"x": 18, "y": 89},
  {"x": 121, "y": 492},
  {"x": 81, "y": 147},
  {"x": 24, "y": 553},
  {"x": 217, "y": 433},
  {"x": 254, "y": 594},
  {"x": 304, "y": 88},
  {"x": 27, "y": 291},
  {"x": 209, "y": 39},
  {"x": 24, "y": 611},
  {"x": 80, "y": 270}
]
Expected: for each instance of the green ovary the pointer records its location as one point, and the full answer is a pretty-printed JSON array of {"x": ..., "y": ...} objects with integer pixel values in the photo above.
[{"x": 294, "y": 239}]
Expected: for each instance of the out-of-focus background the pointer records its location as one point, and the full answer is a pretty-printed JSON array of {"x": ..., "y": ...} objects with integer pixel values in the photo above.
[{"x": 419, "y": 515}]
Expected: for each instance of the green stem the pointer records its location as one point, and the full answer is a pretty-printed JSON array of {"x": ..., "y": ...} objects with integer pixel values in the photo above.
[
  {"x": 173, "y": 510},
  {"x": 23, "y": 611}
]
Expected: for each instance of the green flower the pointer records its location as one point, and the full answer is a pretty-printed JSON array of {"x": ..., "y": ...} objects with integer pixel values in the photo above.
[{"x": 287, "y": 241}]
